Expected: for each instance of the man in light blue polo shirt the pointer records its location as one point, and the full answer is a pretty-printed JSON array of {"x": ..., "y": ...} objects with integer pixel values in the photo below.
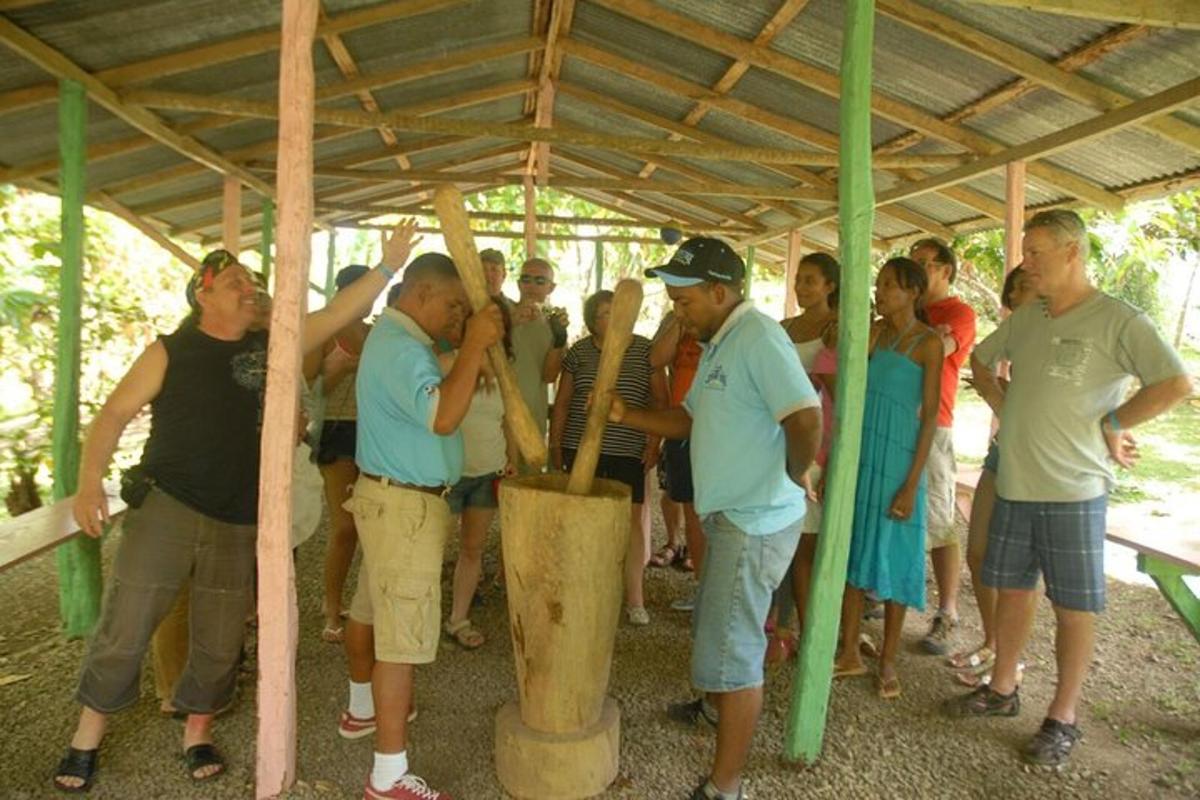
[
  {"x": 409, "y": 452},
  {"x": 754, "y": 421}
]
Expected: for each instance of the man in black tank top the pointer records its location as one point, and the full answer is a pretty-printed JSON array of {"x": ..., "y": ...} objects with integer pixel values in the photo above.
[{"x": 204, "y": 384}]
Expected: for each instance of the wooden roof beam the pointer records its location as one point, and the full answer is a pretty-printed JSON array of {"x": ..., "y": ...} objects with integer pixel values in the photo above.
[
  {"x": 946, "y": 29},
  {"x": 1160, "y": 13},
  {"x": 562, "y": 13},
  {"x": 830, "y": 84},
  {"x": 207, "y": 55}
]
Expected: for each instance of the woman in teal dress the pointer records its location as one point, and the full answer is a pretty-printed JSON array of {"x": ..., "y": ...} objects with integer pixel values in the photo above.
[{"x": 887, "y": 546}]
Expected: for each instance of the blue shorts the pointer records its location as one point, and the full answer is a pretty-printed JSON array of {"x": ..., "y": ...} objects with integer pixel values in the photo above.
[
  {"x": 1062, "y": 541},
  {"x": 677, "y": 459},
  {"x": 739, "y": 576},
  {"x": 475, "y": 492}
]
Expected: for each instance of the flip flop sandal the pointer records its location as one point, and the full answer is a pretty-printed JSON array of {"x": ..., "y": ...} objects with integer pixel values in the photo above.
[
  {"x": 839, "y": 673},
  {"x": 80, "y": 764},
  {"x": 982, "y": 657},
  {"x": 866, "y": 646},
  {"x": 199, "y": 756},
  {"x": 665, "y": 556},
  {"x": 333, "y": 634},
  {"x": 464, "y": 634},
  {"x": 889, "y": 689}
]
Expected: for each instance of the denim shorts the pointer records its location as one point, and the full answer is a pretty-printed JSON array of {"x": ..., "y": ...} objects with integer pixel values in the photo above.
[
  {"x": 991, "y": 462},
  {"x": 478, "y": 491},
  {"x": 739, "y": 576},
  {"x": 1064, "y": 542},
  {"x": 338, "y": 438},
  {"x": 677, "y": 458}
]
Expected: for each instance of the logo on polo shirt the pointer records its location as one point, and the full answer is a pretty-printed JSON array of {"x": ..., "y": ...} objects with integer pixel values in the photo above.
[{"x": 716, "y": 378}]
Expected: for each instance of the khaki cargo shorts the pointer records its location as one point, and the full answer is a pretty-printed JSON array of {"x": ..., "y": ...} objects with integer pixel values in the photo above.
[
  {"x": 403, "y": 533},
  {"x": 940, "y": 475}
]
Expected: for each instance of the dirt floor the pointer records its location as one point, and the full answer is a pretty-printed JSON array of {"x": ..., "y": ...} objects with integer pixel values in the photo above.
[{"x": 1141, "y": 715}]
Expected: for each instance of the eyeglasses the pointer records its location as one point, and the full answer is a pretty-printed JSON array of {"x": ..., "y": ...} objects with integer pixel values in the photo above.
[{"x": 536, "y": 280}]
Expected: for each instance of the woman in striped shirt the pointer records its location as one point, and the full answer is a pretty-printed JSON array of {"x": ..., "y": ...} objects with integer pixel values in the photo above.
[{"x": 625, "y": 454}]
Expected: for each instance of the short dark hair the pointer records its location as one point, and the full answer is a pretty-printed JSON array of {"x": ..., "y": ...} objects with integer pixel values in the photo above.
[
  {"x": 831, "y": 271},
  {"x": 1010, "y": 285},
  {"x": 393, "y": 293},
  {"x": 492, "y": 256},
  {"x": 911, "y": 275},
  {"x": 942, "y": 253},
  {"x": 591, "y": 307},
  {"x": 437, "y": 266}
]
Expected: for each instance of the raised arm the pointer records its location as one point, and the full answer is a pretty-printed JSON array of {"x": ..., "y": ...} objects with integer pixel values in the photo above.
[
  {"x": 141, "y": 384},
  {"x": 484, "y": 328},
  {"x": 666, "y": 342},
  {"x": 356, "y": 300}
]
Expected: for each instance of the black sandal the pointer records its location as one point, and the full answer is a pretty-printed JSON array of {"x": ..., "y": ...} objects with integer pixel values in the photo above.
[
  {"x": 80, "y": 764},
  {"x": 199, "y": 756}
]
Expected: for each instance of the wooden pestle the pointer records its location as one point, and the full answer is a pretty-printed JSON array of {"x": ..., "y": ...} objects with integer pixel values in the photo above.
[
  {"x": 457, "y": 233},
  {"x": 627, "y": 300}
]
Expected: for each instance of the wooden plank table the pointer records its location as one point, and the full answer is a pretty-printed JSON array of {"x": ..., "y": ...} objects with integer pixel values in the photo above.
[{"x": 42, "y": 529}]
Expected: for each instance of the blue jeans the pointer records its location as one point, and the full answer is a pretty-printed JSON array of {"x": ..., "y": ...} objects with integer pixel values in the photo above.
[{"x": 739, "y": 575}]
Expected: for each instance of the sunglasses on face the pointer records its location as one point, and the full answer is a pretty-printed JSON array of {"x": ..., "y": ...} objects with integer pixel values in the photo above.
[{"x": 536, "y": 280}]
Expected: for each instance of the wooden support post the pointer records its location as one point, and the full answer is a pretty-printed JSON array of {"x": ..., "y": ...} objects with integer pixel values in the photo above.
[
  {"x": 530, "y": 218},
  {"x": 268, "y": 237},
  {"x": 231, "y": 215},
  {"x": 794, "y": 242},
  {"x": 331, "y": 264},
  {"x": 750, "y": 272},
  {"x": 79, "y": 576},
  {"x": 599, "y": 270},
  {"x": 814, "y": 668},
  {"x": 1014, "y": 213},
  {"x": 276, "y": 767}
]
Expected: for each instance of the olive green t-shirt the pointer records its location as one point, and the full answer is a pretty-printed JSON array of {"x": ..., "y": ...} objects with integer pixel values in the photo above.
[
  {"x": 1068, "y": 372},
  {"x": 532, "y": 341}
]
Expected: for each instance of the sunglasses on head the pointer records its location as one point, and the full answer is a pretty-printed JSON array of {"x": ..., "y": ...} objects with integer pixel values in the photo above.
[{"x": 536, "y": 280}]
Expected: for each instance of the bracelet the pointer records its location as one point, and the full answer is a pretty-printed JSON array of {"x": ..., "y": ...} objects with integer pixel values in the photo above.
[
  {"x": 1111, "y": 417},
  {"x": 387, "y": 271}
]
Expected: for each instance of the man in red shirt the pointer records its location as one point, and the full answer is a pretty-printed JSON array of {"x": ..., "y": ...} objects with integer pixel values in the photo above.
[{"x": 954, "y": 321}]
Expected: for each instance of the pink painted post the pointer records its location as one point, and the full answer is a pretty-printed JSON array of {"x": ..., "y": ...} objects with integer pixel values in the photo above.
[
  {"x": 1014, "y": 213},
  {"x": 794, "y": 243},
  {"x": 276, "y": 580},
  {"x": 231, "y": 215}
]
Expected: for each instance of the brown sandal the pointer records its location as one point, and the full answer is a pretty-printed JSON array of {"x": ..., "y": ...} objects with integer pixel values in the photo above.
[{"x": 665, "y": 556}]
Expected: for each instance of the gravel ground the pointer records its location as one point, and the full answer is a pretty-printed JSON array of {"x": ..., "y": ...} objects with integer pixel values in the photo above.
[{"x": 1141, "y": 714}]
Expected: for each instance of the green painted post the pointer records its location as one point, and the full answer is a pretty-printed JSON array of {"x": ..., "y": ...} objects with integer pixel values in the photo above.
[
  {"x": 79, "y": 576},
  {"x": 750, "y": 272},
  {"x": 268, "y": 237},
  {"x": 856, "y": 210},
  {"x": 330, "y": 262},
  {"x": 599, "y": 266}
]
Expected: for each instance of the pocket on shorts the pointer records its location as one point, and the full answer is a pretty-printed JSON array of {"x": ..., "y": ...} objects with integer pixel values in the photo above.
[
  {"x": 409, "y": 621},
  {"x": 363, "y": 507}
]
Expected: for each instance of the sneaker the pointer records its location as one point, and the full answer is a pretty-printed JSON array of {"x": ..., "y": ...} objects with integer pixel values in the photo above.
[
  {"x": 983, "y": 702},
  {"x": 1052, "y": 745},
  {"x": 637, "y": 616},
  {"x": 692, "y": 712},
  {"x": 352, "y": 727},
  {"x": 706, "y": 791},
  {"x": 410, "y": 787},
  {"x": 938, "y": 640},
  {"x": 684, "y": 603}
]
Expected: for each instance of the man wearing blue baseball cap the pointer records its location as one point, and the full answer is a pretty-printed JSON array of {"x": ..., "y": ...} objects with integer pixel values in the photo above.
[{"x": 754, "y": 421}]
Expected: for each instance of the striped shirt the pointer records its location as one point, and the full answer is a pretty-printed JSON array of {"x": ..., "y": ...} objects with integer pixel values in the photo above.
[{"x": 633, "y": 384}]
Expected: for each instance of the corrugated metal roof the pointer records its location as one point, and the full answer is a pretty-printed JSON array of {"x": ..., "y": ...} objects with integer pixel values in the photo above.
[{"x": 927, "y": 75}]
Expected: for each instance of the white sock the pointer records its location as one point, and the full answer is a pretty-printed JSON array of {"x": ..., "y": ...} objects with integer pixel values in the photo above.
[
  {"x": 362, "y": 703},
  {"x": 389, "y": 768}
]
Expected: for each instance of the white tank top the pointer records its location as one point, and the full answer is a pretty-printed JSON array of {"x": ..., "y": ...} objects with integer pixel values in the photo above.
[{"x": 808, "y": 352}]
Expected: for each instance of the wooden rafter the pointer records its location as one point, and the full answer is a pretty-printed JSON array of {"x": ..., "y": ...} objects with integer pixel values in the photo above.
[
  {"x": 207, "y": 55},
  {"x": 828, "y": 83},
  {"x": 562, "y": 14},
  {"x": 1030, "y": 67},
  {"x": 54, "y": 62},
  {"x": 552, "y": 219},
  {"x": 1161, "y": 13}
]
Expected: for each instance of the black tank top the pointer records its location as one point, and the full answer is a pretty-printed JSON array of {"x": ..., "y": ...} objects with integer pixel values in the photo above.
[{"x": 205, "y": 423}]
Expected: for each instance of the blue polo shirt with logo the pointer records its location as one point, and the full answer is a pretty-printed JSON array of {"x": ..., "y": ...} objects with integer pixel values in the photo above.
[
  {"x": 749, "y": 379},
  {"x": 397, "y": 393}
]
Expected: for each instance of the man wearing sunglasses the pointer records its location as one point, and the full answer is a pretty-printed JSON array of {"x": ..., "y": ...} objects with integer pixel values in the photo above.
[{"x": 538, "y": 337}]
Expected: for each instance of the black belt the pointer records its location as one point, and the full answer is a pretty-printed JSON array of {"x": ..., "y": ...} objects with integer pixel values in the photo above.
[{"x": 440, "y": 491}]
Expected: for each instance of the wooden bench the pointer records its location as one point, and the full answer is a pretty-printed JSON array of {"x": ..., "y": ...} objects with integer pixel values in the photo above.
[
  {"x": 1166, "y": 559},
  {"x": 42, "y": 529}
]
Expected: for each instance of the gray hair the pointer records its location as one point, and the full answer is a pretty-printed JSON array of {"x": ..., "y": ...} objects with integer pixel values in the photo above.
[{"x": 1067, "y": 226}]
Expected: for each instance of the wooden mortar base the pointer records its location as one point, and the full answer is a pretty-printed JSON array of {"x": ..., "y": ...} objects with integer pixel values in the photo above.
[{"x": 532, "y": 765}]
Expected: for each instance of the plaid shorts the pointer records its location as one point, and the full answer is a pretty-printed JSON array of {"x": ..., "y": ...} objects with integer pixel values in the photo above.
[{"x": 1062, "y": 541}]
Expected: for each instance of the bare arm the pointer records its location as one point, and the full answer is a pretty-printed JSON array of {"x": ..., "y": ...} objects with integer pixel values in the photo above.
[
  {"x": 552, "y": 366},
  {"x": 141, "y": 384},
  {"x": 670, "y": 423},
  {"x": 987, "y": 384},
  {"x": 484, "y": 328},
  {"x": 659, "y": 398},
  {"x": 802, "y": 430},
  {"x": 1146, "y": 404},
  {"x": 931, "y": 358},
  {"x": 665, "y": 344},
  {"x": 558, "y": 420},
  {"x": 355, "y": 301}
]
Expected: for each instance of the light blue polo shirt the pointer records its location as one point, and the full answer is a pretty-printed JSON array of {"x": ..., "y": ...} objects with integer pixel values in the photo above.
[
  {"x": 749, "y": 379},
  {"x": 397, "y": 391}
]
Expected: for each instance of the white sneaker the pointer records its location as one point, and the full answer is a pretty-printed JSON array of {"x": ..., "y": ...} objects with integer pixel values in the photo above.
[
  {"x": 684, "y": 603},
  {"x": 637, "y": 615}
]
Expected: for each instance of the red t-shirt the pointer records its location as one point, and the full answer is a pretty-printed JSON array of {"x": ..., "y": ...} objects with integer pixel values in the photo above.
[
  {"x": 960, "y": 318},
  {"x": 683, "y": 368}
]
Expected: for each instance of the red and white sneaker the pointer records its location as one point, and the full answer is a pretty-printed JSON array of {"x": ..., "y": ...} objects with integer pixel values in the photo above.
[
  {"x": 410, "y": 787},
  {"x": 352, "y": 727}
]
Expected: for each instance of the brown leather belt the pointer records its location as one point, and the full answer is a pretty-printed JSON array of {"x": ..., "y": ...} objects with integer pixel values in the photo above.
[{"x": 440, "y": 491}]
